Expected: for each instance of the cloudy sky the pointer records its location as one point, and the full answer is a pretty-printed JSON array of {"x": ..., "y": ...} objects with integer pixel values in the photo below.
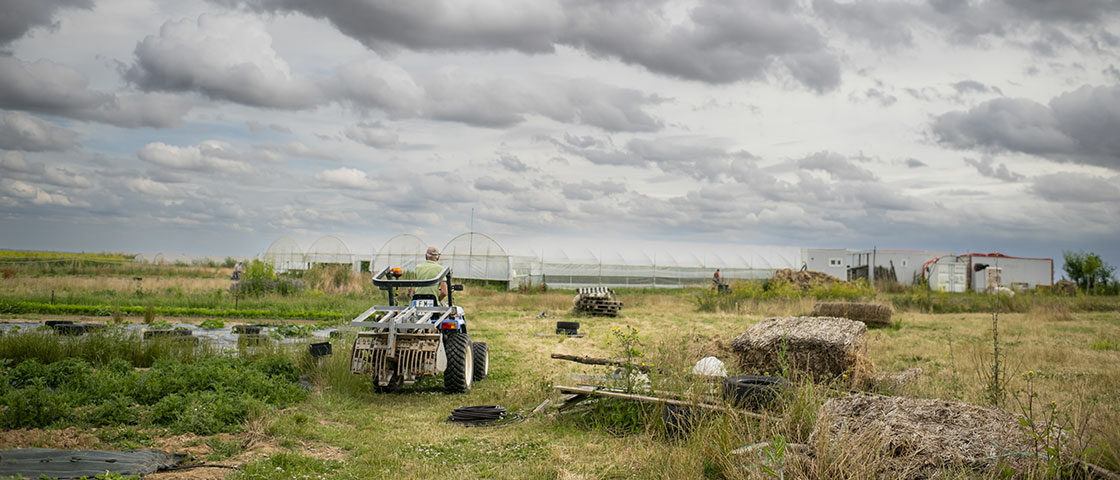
[{"x": 214, "y": 127}]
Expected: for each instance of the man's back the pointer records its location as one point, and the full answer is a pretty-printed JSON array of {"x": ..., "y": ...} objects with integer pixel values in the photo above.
[{"x": 425, "y": 271}]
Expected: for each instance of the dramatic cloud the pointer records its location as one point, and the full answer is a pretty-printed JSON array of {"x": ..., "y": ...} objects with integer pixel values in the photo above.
[
  {"x": 1077, "y": 187},
  {"x": 19, "y": 131},
  {"x": 50, "y": 88},
  {"x": 1077, "y": 126},
  {"x": 891, "y": 23},
  {"x": 224, "y": 57},
  {"x": 20, "y": 16},
  {"x": 719, "y": 41},
  {"x": 987, "y": 168}
]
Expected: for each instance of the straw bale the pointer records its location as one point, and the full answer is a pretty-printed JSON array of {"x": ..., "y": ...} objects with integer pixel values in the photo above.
[
  {"x": 921, "y": 436},
  {"x": 872, "y": 314},
  {"x": 824, "y": 347}
]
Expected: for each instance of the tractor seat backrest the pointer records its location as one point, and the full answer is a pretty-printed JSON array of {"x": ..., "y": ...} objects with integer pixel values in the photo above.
[{"x": 425, "y": 296}]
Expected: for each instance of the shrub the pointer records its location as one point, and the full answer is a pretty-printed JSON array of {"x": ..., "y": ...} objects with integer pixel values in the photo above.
[{"x": 31, "y": 407}]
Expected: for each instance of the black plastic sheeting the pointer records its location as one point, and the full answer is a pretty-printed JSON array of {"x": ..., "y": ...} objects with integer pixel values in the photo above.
[{"x": 33, "y": 462}]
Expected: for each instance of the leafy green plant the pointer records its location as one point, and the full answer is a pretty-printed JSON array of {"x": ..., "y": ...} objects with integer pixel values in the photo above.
[
  {"x": 160, "y": 324},
  {"x": 294, "y": 330},
  {"x": 212, "y": 323},
  {"x": 774, "y": 457}
]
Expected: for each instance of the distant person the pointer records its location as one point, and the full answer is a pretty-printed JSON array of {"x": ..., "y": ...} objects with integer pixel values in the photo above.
[
  {"x": 237, "y": 269},
  {"x": 428, "y": 270},
  {"x": 717, "y": 282}
]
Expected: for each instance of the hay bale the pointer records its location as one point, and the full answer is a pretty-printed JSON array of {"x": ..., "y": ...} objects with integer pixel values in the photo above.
[
  {"x": 918, "y": 436},
  {"x": 824, "y": 347},
  {"x": 871, "y": 314}
]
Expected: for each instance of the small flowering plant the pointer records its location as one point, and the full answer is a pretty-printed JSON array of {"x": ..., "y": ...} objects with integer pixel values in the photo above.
[{"x": 625, "y": 340}]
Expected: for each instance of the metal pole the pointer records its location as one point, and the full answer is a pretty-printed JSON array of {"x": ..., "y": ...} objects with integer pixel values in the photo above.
[{"x": 871, "y": 268}]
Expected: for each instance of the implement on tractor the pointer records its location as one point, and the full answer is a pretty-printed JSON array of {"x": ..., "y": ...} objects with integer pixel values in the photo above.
[{"x": 399, "y": 344}]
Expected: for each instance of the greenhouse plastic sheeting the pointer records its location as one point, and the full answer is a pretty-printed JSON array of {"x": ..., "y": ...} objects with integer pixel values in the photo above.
[{"x": 33, "y": 462}]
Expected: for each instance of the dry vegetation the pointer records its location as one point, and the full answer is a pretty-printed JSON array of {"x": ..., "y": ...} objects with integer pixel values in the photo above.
[{"x": 1073, "y": 357}]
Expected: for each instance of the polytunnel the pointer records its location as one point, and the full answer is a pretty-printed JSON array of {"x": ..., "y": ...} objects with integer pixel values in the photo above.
[
  {"x": 285, "y": 254},
  {"x": 405, "y": 250},
  {"x": 476, "y": 256},
  {"x": 328, "y": 249}
]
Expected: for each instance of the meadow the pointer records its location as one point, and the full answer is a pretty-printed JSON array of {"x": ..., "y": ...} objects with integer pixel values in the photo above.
[{"x": 1063, "y": 349}]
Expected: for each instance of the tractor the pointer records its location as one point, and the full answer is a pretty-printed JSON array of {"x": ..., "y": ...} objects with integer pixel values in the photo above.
[{"x": 400, "y": 344}]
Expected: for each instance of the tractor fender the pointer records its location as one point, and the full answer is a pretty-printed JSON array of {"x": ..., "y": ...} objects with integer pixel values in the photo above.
[{"x": 441, "y": 357}]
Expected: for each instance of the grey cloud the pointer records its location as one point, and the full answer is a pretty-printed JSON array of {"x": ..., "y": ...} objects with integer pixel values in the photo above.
[
  {"x": 20, "y": 16},
  {"x": 839, "y": 167},
  {"x": 223, "y": 57},
  {"x": 257, "y": 128},
  {"x": 987, "y": 168},
  {"x": 591, "y": 190},
  {"x": 877, "y": 23},
  {"x": 513, "y": 164},
  {"x": 1113, "y": 72},
  {"x": 15, "y": 166},
  {"x": 494, "y": 102},
  {"x": 915, "y": 163},
  {"x": 373, "y": 134},
  {"x": 496, "y": 185},
  {"x": 965, "y": 87},
  {"x": 720, "y": 41},
  {"x": 505, "y": 102},
  {"x": 50, "y": 88},
  {"x": 19, "y": 131},
  {"x": 888, "y": 23},
  {"x": 1077, "y": 187},
  {"x": 1077, "y": 126}
]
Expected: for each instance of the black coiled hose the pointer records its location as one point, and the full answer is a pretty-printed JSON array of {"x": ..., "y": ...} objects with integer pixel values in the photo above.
[{"x": 477, "y": 414}]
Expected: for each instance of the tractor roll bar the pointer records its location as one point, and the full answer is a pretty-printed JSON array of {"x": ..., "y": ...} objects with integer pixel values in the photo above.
[{"x": 386, "y": 283}]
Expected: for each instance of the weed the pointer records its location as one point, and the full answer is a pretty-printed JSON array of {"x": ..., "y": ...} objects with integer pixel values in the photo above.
[
  {"x": 1104, "y": 344},
  {"x": 774, "y": 457},
  {"x": 149, "y": 315}
]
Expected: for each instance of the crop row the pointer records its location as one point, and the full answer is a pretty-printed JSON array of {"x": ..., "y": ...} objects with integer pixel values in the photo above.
[{"x": 19, "y": 307}]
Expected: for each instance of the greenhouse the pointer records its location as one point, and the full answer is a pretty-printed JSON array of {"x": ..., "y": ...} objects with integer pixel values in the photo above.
[{"x": 479, "y": 256}]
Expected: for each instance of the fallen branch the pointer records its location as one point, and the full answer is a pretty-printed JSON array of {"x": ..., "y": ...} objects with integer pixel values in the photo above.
[
  {"x": 649, "y": 399},
  {"x": 586, "y": 360}
]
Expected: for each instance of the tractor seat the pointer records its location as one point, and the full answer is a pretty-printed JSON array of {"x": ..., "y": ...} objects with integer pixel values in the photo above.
[{"x": 424, "y": 299}]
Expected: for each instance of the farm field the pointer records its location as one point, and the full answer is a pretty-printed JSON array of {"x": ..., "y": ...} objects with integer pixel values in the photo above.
[{"x": 1065, "y": 349}]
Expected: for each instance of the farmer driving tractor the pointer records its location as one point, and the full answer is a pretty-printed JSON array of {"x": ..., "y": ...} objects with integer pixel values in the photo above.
[{"x": 430, "y": 269}]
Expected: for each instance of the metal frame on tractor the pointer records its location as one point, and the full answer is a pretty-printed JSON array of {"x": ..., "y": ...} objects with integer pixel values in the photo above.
[{"x": 403, "y": 343}]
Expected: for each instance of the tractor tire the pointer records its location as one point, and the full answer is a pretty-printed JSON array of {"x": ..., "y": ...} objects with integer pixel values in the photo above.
[
  {"x": 567, "y": 328},
  {"x": 459, "y": 374},
  {"x": 481, "y": 353},
  {"x": 752, "y": 391}
]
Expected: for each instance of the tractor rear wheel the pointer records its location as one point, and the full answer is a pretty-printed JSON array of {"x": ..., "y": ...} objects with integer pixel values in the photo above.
[
  {"x": 481, "y": 353},
  {"x": 459, "y": 374}
]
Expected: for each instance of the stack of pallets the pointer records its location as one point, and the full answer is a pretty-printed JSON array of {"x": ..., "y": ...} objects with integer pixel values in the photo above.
[{"x": 597, "y": 301}]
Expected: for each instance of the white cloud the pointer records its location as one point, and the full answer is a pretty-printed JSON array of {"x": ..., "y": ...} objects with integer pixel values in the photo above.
[
  {"x": 208, "y": 156},
  {"x": 344, "y": 177}
]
